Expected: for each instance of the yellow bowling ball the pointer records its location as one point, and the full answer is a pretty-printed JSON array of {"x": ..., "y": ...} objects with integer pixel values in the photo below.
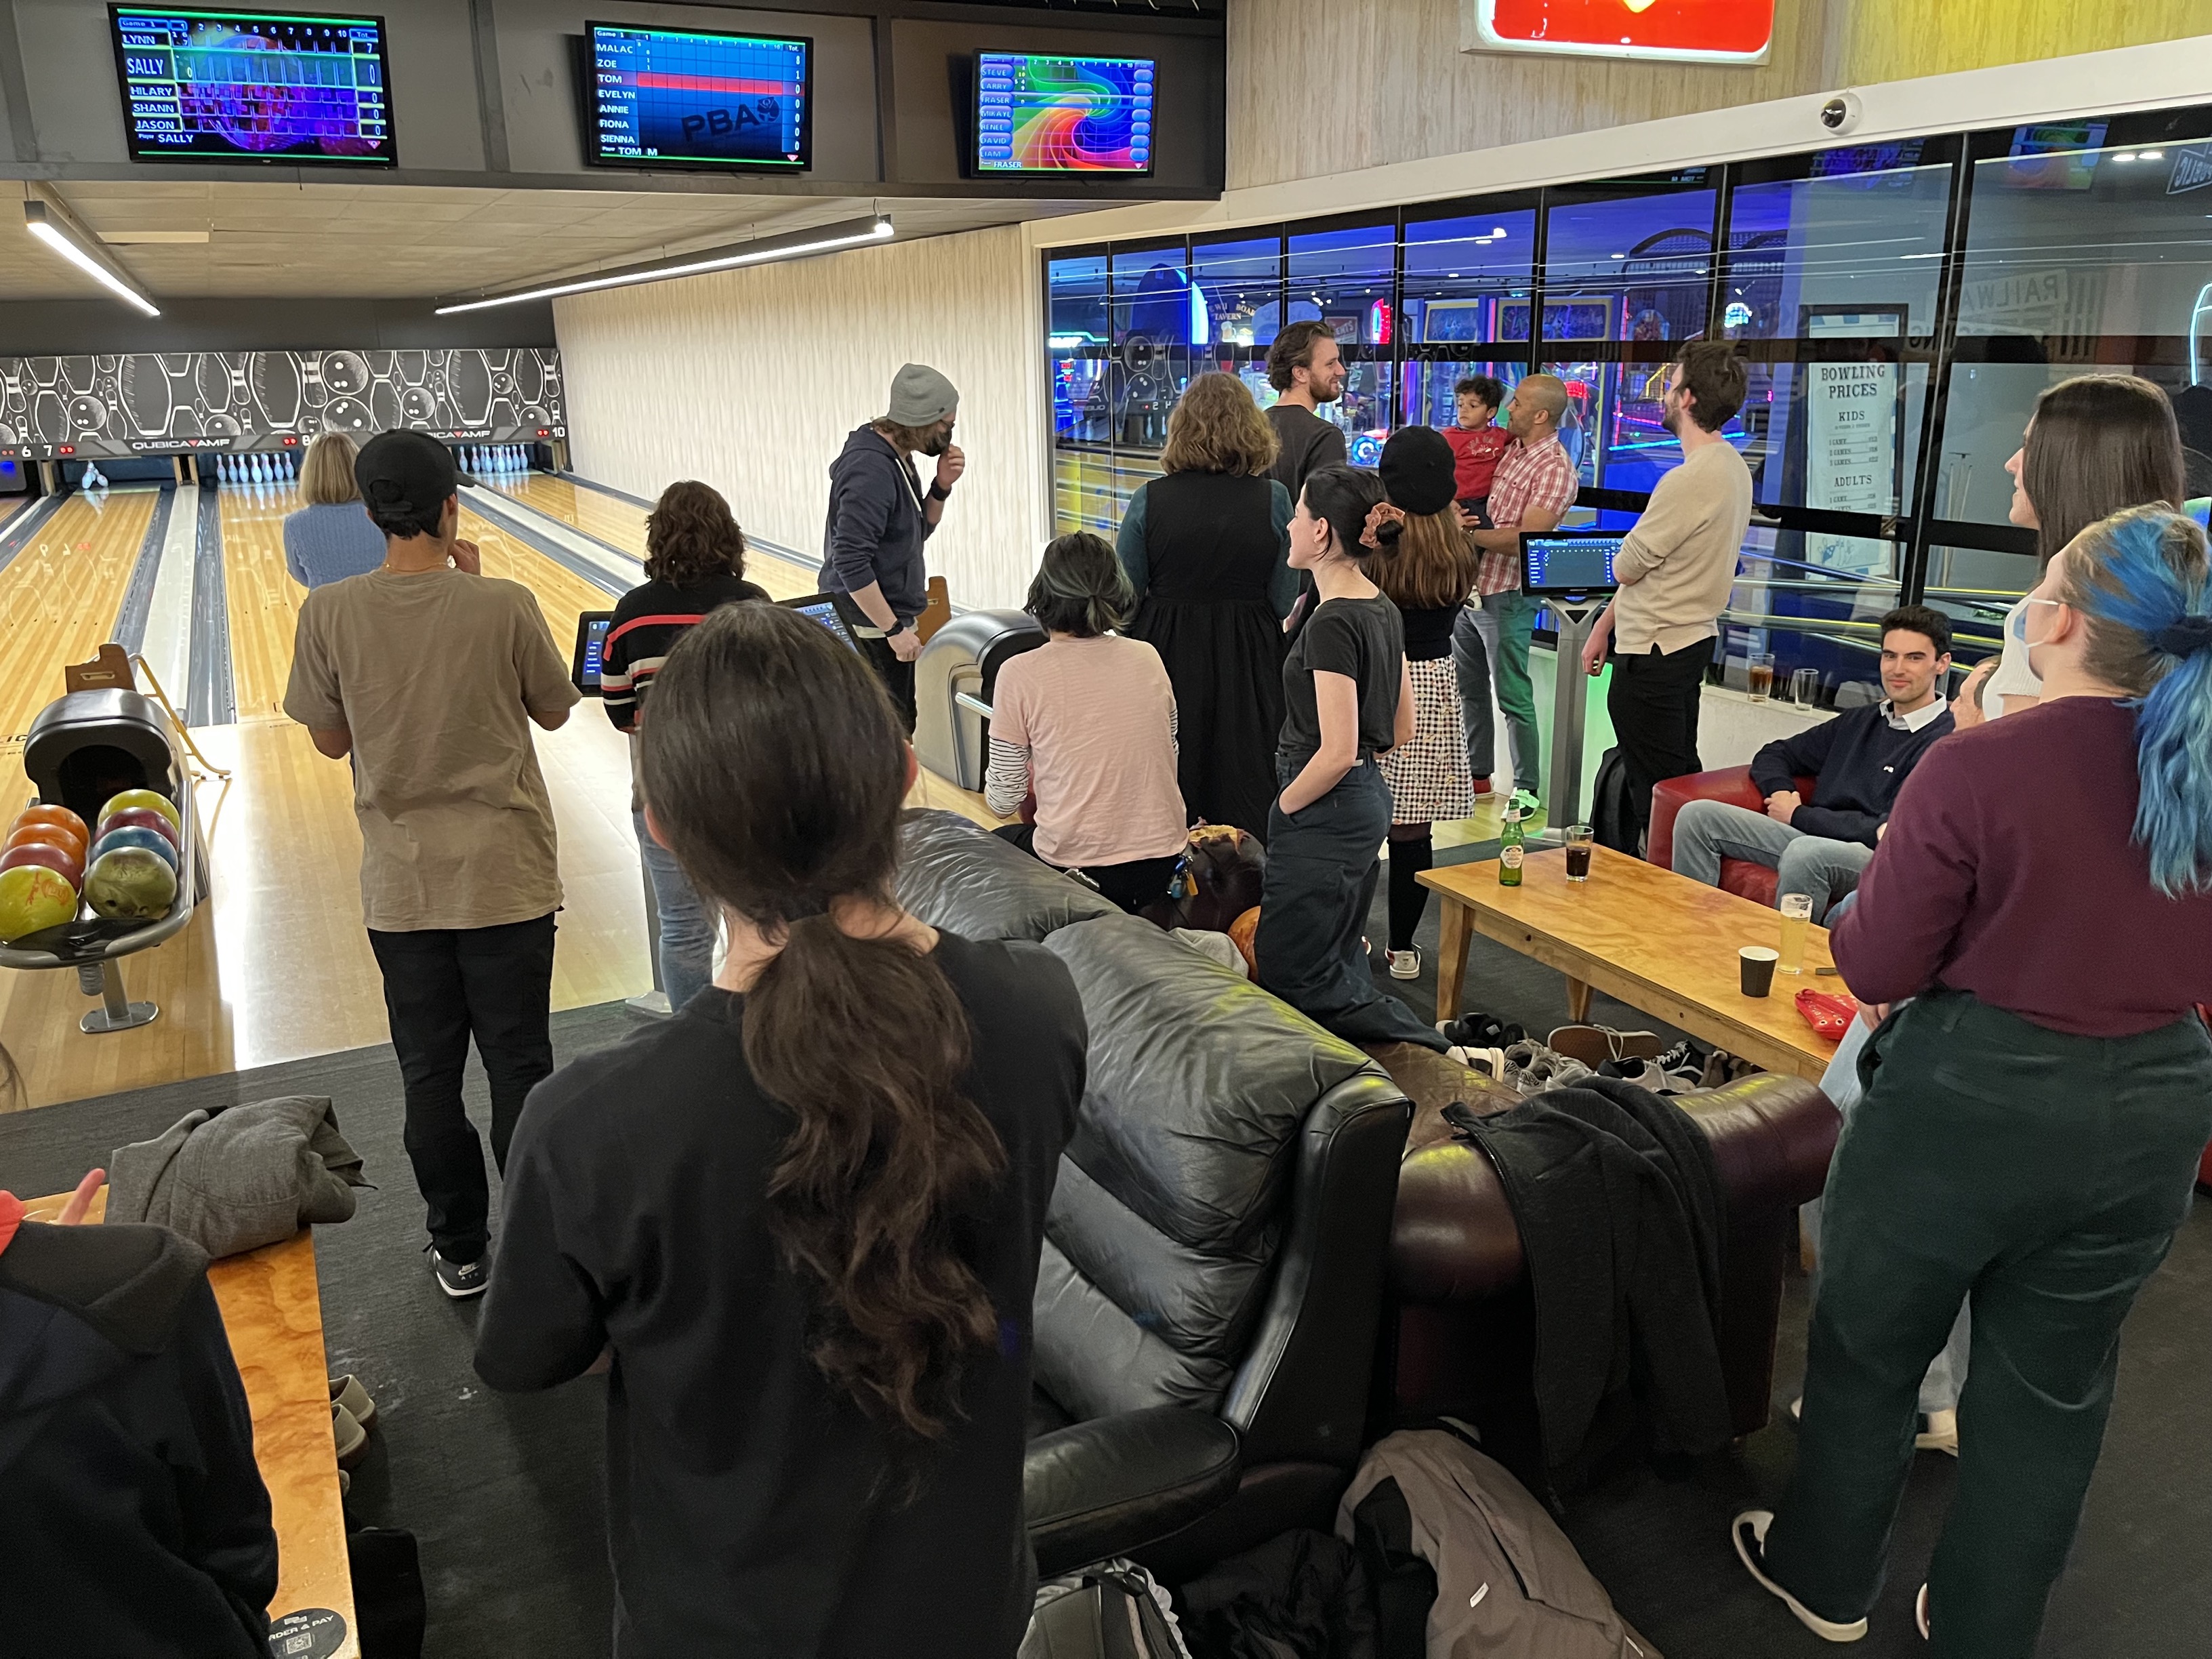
[
  {"x": 33, "y": 898},
  {"x": 148, "y": 797}
]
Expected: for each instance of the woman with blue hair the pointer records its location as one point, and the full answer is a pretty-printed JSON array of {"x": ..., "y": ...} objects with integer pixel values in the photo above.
[{"x": 2034, "y": 1117}]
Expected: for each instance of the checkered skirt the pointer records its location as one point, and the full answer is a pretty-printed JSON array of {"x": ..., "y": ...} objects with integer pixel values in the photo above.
[{"x": 1427, "y": 775}]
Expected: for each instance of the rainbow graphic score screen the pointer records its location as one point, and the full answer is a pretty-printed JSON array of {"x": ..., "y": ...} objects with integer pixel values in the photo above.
[
  {"x": 260, "y": 86},
  {"x": 1049, "y": 114}
]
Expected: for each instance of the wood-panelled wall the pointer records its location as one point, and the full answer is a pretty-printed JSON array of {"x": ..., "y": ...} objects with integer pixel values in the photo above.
[
  {"x": 1323, "y": 86},
  {"x": 751, "y": 379}
]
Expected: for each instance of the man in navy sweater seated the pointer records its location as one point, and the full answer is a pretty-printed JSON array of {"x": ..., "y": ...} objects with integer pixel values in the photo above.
[{"x": 1858, "y": 761}]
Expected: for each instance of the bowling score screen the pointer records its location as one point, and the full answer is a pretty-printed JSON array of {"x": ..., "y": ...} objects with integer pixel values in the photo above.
[
  {"x": 679, "y": 98},
  {"x": 298, "y": 88}
]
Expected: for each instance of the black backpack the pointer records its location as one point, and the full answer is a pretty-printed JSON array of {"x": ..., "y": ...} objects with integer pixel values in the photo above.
[
  {"x": 1105, "y": 1611},
  {"x": 1612, "y": 820}
]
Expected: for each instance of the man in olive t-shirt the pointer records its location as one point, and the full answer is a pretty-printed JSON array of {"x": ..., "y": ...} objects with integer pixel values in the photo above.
[{"x": 428, "y": 673}]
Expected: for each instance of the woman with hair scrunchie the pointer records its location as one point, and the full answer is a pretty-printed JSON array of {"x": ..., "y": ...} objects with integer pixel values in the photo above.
[
  {"x": 1428, "y": 581},
  {"x": 1088, "y": 722},
  {"x": 2034, "y": 1117},
  {"x": 800, "y": 1221},
  {"x": 1348, "y": 700}
]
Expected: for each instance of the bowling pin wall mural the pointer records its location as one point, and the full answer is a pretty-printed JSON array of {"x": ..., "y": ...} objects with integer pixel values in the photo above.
[{"x": 176, "y": 403}]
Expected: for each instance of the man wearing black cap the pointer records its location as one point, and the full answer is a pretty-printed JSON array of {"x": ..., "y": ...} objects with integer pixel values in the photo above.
[
  {"x": 427, "y": 672},
  {"x": 879, "y": 518}
]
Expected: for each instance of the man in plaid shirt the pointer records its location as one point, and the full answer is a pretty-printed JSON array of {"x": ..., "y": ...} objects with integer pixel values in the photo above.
[{"x": 1532, "y": 490}]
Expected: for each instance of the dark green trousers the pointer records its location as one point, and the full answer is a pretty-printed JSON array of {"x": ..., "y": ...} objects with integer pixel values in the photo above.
[{"x": 2042, "y": 1176}]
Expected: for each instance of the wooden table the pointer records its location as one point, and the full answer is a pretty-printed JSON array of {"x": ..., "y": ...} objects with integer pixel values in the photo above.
[
  {"x": 1658, "y": 941},
  {"x": 273, "y": 1308}
]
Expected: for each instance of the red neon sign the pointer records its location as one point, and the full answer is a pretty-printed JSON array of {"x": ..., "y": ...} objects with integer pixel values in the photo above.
[{"x": 1683, "y": 30}]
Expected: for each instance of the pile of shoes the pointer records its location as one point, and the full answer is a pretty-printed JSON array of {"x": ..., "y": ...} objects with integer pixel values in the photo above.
[{"x": 1506, "y": 1053}]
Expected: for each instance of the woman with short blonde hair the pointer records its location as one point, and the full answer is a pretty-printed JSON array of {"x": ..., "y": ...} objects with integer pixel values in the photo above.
[
  {"x": 330, "y": 538},
  {"x": 1207, "y": 550}
]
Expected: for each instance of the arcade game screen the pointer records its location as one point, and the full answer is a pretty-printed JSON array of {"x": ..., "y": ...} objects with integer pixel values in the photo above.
[
  {"x": 1046, "y": 115},
  {"x": 681, "y": 98},
  {"x": 253, "y": 86}
]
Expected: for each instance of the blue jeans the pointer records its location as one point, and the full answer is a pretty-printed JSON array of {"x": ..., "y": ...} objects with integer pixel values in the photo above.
[
  {"x": 687, "y": 926},
  {"x": 1947, "y": 1374}
]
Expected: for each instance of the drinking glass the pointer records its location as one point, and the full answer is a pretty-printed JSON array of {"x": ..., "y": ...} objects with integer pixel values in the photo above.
[
  {"x": 1578, "y": 851},
  {"x": 1805, "y": 688},
  {"x": 1796, "y": 916},
  {"x": 1762, "y": 676}
]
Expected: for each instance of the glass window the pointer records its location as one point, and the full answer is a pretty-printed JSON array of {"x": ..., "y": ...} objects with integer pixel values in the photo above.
[
  {"x": 1632, "y": 274},
  {"x": 1237, "y": 295},
  {"x": 1344, "y": 275},
  {"x": 2088, "y": 250},
  {"x": 1460, "y": 276},
  {"x": 1821, "y": 623},
  {"x": 1078, "y": 348},
  {"x": 1153, "y": 308}
]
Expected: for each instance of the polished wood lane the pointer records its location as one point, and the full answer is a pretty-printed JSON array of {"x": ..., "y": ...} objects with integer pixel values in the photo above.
[
  {"x": 620, "y": 523},
  {"x": 59, "y": 597},
  {"x": 263, "y": 600},
  {"x": 272, "y": 1312}
]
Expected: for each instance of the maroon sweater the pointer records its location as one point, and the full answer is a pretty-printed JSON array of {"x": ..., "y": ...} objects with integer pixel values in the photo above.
[{"x": 2009, "y": 870}]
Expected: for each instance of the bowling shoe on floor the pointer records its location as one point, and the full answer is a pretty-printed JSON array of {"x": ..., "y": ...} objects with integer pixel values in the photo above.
[{"x": 1749, "y": 1534}]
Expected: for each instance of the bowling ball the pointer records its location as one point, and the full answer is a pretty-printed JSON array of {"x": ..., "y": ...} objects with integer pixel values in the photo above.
[
  {"x": 134, "y": 835},
  {"x": 48, "y": 834},
  {"x": 130, "y": 883},
  {"x": 149, "y": 797},
  {"x": 61, "y": 859},
  {"x": 33, "y": 899},
  {"x": 60, "y": 816},
  {"x": 144, "y": 818}
]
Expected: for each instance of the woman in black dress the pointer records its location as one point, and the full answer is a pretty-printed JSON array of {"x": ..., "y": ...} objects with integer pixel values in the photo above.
[{"x": 1206, "y": 547}]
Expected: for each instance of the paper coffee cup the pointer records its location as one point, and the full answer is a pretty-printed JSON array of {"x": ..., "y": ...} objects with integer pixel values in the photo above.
[{"x": 1756, "y": 963}]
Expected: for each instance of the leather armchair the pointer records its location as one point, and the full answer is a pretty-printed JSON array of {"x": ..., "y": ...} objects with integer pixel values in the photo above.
[
  {"x": 1460, "y": 1338},
  {"x": 1212, "y": 1281},
  {"x": 1733, "y": 785}
]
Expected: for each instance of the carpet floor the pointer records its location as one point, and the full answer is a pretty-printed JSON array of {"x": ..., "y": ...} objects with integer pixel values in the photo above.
[{"x": 504, "y": 1491}]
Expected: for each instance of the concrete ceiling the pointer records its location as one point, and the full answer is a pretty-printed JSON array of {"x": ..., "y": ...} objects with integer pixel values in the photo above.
[{"x": 397, "y": 242}]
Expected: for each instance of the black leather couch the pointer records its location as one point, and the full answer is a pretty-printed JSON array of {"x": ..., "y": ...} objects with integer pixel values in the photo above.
[{"x": 1213, "y": 1277}]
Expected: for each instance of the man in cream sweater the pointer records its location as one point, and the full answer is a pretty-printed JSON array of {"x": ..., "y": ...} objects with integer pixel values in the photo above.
[{"x": 1675, "y": 568}]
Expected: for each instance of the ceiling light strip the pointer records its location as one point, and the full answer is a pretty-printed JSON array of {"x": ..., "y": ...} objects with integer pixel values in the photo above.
[
  {"x": 42, "y": 226},
  {"x": 851, "y": 233}
]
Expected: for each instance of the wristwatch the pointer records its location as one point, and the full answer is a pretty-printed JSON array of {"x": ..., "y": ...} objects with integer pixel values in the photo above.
[{"x": 939, "y": 490}]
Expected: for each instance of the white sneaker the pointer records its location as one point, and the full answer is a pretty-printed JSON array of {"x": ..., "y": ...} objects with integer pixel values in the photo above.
[
  {"x": 1406, "y": 964},
  {"x": 1748, "y": 1533},
  {"x": 1490, "y": 1062}
]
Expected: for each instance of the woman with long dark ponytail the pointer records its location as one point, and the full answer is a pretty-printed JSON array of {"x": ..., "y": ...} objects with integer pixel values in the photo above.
[
  {"x": 1348, "y": 699},
  {"x": 800, "y": 1220},
  {"x": 2034, "y": 1117}
]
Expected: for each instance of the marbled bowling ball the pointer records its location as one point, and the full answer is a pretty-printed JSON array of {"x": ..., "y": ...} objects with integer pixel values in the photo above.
[
  {"x": 128, "y": 884},
  {"x": 33, "y": 899},
  {"x": 131, "y": 836},
  {"x": 144, "y": 818}
]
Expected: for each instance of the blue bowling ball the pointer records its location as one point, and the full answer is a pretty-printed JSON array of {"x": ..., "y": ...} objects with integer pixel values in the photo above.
[{"x": 133, "y": 835}]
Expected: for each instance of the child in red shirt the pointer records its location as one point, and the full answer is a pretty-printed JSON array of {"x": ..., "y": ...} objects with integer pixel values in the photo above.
[{"x": 1476, "y": 444}]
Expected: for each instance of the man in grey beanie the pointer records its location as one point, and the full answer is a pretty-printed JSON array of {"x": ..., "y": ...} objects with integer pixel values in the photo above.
[{"x": 880, "y": 516}]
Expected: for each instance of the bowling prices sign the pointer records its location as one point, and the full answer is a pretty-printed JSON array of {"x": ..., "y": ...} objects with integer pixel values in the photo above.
[
  {"x": 177, "y": 403},
  {"x": 1851, "y": 434},
  {"x": 1671, "y": 31}
]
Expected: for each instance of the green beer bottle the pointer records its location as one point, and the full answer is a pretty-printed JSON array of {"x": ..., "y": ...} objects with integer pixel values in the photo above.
[{"x": 1511, "y": 854}]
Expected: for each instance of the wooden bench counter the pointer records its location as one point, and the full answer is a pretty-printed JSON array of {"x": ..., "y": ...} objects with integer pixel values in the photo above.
[{"x": 272, "y": 1309}]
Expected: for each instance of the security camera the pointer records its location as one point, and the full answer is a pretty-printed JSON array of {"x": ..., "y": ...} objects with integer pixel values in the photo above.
[{"x": 1842, "y": 113}]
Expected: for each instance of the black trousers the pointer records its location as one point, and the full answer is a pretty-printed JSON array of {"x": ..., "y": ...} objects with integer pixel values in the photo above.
[
  {"x": 898, "y": 677},
  {"x": 1653, "y": 703},
  {"x": 1132, "y": 885},
  {"x": 442, "y": 987}
]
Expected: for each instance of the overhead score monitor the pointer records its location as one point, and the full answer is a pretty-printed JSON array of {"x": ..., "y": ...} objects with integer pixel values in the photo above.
[
  {"x": 1044, "y": 113},
  {"x": 685, "y": 99},
  {"x": 302, "y": 88}
]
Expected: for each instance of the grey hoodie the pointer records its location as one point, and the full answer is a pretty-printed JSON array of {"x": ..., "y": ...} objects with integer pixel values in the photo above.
[{"x": 238, "y": 1178}]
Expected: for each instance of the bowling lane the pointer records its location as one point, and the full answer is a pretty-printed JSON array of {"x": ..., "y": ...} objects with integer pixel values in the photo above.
[
  {"x": 263, "y": 598},
  {"x": 58, "y": 600},
  {"x": 622, "y": 523}
]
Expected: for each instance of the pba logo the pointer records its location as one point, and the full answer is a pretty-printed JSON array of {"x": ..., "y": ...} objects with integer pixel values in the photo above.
[
  {"x": 1677, "y": 31},
  {"x": 721, "y": 122}
]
